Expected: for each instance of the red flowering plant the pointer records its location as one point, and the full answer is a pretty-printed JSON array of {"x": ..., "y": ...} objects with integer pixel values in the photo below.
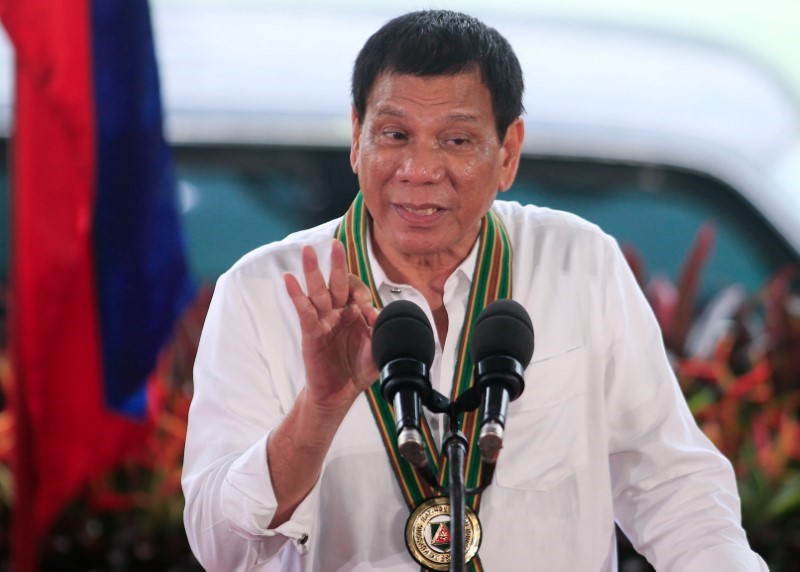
[
  {"x": 738, "y": 362},
  {"x": 737, "y": 359}
]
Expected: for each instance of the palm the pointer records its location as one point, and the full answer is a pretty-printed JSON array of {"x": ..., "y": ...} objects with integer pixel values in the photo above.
[{"x": 340, "y": 350}]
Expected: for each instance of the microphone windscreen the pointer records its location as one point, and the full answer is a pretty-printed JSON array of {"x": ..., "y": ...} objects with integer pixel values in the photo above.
[
  {"x": 504, "y": 328},
  {"x": 402, "y": 330}
]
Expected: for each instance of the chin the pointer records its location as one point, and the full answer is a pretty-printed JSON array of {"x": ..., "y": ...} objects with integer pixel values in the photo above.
[{"x": 420, "y": 246}]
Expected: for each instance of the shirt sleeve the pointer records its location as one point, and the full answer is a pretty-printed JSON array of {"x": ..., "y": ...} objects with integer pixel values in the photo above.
[
  {"x": 675, "y": 495},
  {"x": 237, "y": 401}
]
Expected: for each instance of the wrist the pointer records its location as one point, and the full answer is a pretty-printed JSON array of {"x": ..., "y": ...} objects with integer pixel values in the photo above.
[{"x": 328, "y": 411}]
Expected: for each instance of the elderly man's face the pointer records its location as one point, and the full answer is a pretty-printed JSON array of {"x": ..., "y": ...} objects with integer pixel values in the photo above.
[{"x": 429, "y": 161}]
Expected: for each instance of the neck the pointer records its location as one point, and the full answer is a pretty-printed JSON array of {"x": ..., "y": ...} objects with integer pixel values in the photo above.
[{"x": 427, "y": 273}]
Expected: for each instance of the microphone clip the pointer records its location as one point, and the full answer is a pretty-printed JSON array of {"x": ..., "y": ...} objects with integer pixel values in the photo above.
[
  {"x": 407, "y": 374},
  {"x": 500, "y": 379}
]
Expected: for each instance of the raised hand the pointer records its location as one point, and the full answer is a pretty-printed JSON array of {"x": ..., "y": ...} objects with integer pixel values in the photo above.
[{"x": 336, "y": 320}]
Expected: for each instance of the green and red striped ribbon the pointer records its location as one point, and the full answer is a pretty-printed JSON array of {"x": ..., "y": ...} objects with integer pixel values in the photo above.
[{"x": 491, "y": 281}]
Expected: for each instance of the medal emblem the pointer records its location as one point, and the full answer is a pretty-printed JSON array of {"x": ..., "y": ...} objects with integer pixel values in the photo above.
[{"x": 428, "y": 534}]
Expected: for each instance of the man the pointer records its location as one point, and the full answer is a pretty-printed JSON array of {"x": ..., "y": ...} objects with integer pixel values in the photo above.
[{"x": 287, "y": 463}]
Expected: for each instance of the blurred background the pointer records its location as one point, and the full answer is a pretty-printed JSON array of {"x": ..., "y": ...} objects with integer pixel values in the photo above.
[{"x": 673, "y": 125}]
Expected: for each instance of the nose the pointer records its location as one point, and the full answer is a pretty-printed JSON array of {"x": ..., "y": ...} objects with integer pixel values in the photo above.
[{"x": 423, "y": 163}]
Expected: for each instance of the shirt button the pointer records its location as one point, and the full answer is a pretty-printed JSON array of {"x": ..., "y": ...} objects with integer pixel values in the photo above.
[
  {"x": 395, "y": 290},
  {"x": 303, "y": 539}
]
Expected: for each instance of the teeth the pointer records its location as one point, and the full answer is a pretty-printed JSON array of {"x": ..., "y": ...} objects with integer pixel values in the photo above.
[{"x": 428, "y": 211}]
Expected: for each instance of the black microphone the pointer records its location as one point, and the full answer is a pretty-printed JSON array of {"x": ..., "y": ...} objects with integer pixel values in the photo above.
[
  {"x": 501, "y": 346},
  {"x": 403, "y": 349}
]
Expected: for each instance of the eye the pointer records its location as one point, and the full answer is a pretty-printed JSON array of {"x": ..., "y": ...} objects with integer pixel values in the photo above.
[
  {"x": 458, "y": 141},
  {"x": 395, "y": 135}
]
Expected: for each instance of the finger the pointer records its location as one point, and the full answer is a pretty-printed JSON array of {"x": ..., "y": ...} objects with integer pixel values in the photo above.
[
  {"x": 371, "y": 314},
  {"x": 338, "y": 284},
  {"x": 302, "y": 305},
  {"x": 316, "y": 287},
  {"x": 362, "y": 297},
  {"x": 359, "y": 292}
]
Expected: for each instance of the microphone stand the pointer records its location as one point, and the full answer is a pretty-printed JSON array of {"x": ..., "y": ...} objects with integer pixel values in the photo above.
[{"x": 455, "y": 446}]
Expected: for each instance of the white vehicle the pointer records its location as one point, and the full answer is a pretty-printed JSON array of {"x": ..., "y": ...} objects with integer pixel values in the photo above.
[{"x": 646, "y": 134}]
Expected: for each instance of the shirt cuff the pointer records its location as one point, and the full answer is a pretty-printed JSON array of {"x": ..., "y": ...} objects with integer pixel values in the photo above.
[
  {"x": 728, "y": 557},
  {"x": 249, "y": 504}
]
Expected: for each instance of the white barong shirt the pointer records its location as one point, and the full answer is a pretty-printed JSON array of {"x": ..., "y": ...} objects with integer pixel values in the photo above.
[{"x": 601, "y": 433}]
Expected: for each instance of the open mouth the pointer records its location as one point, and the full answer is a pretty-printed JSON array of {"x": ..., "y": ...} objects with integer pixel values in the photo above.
[{"x": 421, "y": 212}]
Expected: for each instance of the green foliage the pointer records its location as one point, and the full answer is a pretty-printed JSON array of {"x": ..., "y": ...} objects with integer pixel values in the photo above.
[{"x": 738, "y": 363}]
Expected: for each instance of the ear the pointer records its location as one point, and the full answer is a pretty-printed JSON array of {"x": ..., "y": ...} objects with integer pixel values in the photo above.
[
  {"x": 355, "y": 141},
  {"x": 510, "y": 153}
]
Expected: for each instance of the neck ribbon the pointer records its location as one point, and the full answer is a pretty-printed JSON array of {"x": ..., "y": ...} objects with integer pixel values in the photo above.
[{"x": 491, "y": 281}]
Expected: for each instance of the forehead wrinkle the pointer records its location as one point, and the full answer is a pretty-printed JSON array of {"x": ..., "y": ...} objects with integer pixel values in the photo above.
[
  {"x": 390, "y": 112},
  {"x": 462, "y": 117},
  {"x": 451, "y": 117}
]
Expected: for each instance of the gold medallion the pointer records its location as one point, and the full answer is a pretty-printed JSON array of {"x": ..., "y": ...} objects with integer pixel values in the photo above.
[{"x": 428, "y": 534}]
